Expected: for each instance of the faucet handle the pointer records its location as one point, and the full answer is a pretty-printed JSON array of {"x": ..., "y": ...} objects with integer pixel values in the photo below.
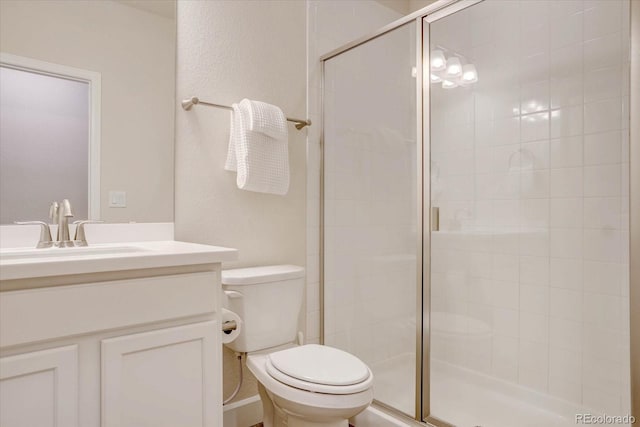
[
  {"x": 80, "y": 238},
  {"x": 45, "y": 233}
]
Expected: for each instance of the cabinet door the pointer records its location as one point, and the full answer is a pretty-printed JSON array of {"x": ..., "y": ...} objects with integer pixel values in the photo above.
[
  {"x": 165, "y": 378},
  {"x": 40, "y": 388}
]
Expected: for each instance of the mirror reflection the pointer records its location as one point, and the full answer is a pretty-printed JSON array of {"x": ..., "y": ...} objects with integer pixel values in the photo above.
[
  {"x": 43, "y": 117},
  {"x": 87, "y": 101}
]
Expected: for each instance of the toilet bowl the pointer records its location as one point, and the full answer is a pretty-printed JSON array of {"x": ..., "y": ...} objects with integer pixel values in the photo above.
[
  {"x": 299, "y": 385},
  {"x": 309, "y": 387}
]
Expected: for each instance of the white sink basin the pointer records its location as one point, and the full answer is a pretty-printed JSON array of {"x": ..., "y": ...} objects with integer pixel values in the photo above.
[{"x": 34, "y": 254}]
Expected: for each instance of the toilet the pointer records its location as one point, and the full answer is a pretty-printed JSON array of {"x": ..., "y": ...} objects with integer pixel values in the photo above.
[{"x": 299, "y": 385}]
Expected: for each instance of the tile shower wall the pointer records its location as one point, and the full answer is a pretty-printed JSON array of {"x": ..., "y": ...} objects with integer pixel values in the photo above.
[
  {"x": 330, "y": 24},
  {"x": 530, "y": 172}
]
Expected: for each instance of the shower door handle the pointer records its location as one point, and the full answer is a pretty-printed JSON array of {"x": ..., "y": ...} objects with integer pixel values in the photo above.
[{"x": 435, "y": 218}]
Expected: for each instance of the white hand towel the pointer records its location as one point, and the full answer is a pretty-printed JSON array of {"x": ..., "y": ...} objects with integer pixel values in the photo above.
[
  {"x": 267, "y": 119},
  {"x": 234, "y": 136},
  {"x": 261, "y": 161}
]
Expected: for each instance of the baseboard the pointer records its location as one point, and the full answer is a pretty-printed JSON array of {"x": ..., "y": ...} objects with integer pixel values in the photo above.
[{"x": 243, "y": 413}]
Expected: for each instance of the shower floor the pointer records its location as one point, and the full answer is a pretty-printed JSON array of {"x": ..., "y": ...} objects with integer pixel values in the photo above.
[{"x": 464, "y": 400}]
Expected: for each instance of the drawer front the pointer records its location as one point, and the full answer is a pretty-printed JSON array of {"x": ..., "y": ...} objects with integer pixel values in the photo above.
[{"x": 47, "y": 313}]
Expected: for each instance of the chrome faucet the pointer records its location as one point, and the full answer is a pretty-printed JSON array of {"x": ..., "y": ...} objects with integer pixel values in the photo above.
[
  {"x": 62, "y": 214},
  {"x": 59, "y": 213}
]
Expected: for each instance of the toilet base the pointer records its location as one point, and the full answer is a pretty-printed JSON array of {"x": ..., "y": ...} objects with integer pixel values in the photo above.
[{"x": 274, "y": 416}]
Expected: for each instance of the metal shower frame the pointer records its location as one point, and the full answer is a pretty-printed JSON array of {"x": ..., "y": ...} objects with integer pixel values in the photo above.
[{"x": 423, "y": 18}]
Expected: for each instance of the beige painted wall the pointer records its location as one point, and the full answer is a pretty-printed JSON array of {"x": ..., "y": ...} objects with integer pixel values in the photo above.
[
  {"x": 135, "y": 53},
  {"x": 404, "y": 7},
  {"x": 419, "y": 4},
  {"x": 398, "y": 6},
  {"x": 227, "y": 51}
]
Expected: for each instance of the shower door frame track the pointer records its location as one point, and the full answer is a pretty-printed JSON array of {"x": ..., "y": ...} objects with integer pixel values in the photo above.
[{"x": 422, "y": 19}]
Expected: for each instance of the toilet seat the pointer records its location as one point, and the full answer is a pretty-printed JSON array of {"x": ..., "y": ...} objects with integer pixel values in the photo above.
[
  {"x": 322, "y": 409},
  {"x": 319, "y": 369}
]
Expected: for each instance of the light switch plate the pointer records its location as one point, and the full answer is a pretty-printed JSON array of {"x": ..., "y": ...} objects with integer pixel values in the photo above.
[{"x": 117, "y": 199}]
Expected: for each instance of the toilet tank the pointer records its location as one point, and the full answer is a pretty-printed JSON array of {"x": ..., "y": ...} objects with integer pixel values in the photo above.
[{"x": 268, "y": 300}]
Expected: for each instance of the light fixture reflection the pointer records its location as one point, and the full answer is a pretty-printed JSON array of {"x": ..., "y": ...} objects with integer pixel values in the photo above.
[
  {"x": 449, "y": 84},
  {"x": 438, "y": 62},
  {"x": 451, "y": 71},
  {"x": 454, "y": 67},
  {"x": 469, "y": 74}
]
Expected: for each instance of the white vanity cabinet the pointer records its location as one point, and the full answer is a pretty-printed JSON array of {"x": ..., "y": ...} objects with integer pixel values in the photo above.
[
  {"x": 165, "y": 377},
  {"x": 40, "y": 388},
  {"x": 120, "y": 348}
]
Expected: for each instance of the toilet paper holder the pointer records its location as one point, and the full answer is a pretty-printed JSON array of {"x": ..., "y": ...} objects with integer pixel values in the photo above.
[{"x": 229, "y": 326}]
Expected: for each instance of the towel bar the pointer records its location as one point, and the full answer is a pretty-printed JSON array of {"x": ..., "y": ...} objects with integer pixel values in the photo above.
[{"x": 188, "y": 103}]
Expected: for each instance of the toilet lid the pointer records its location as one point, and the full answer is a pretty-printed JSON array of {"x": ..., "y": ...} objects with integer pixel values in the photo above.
[{"x": 320, "y": 364}]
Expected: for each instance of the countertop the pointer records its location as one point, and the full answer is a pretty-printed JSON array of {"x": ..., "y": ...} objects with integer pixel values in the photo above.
[{"x": 111, "y": 257}]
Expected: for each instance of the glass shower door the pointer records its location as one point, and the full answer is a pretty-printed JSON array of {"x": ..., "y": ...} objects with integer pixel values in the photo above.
[
  {"x": 370, "y": 210},
  {"x": 528, "y": 139}
]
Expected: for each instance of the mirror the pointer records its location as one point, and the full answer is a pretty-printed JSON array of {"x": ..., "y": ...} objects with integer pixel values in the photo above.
[{"x": 87, "y": 104}]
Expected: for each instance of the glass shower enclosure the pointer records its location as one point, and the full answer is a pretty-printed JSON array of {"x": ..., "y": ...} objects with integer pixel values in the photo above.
[
  {"x": 475, "y": 211},
  {"x": 370, "y": 210}
]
